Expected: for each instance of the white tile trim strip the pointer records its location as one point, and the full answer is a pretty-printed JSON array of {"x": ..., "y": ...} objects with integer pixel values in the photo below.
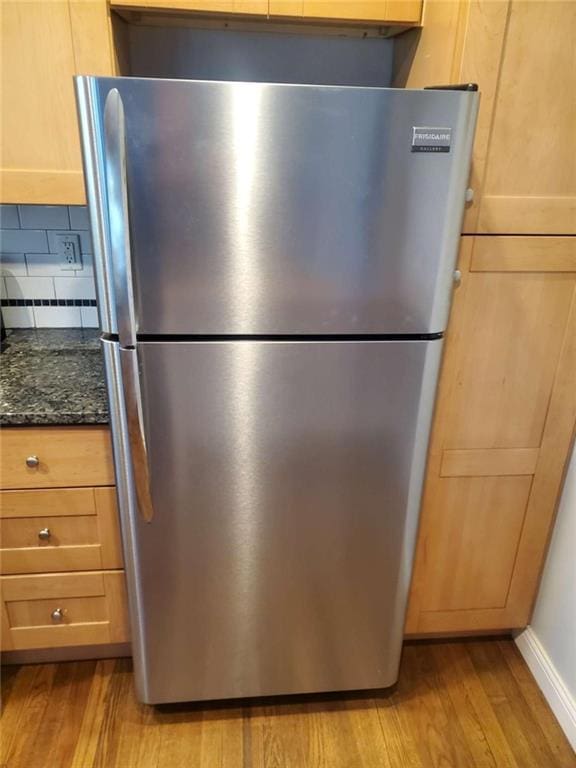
[{"x": 561, "y": 701}]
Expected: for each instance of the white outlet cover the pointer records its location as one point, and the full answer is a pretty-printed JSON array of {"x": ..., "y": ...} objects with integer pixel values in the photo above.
[{"x": 69, "y": 250}]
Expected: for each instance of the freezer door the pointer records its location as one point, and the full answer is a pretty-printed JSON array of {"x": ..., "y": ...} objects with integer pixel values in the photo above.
[
  {"x": 283, "y": 209},
  {"x": 285, "y": 481}
]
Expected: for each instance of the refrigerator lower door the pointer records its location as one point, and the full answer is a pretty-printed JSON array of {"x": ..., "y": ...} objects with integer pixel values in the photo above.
[{"x": 285, "y": 479}]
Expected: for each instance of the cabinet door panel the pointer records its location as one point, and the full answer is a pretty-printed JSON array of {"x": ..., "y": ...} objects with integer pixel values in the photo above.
[
  {"x": 512, "y": 332},
  {"x": 93, "y": 610},
  {"x": 206, "y": 6},
  {"x": 44, "y": 44},
  {"x": 474, "y": 541},
  {"x": 530, "y": 184},
  {"x": 503, "y": 428},
  {"x": 65, "y": 457},
  {"x": 367, "y": 10}
]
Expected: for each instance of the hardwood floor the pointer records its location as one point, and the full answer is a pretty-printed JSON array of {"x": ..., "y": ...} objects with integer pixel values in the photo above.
[{"x": 468, "y": 703}]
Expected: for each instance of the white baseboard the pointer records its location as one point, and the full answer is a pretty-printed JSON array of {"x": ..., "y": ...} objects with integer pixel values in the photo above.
[{"x": 561, "y": 701}]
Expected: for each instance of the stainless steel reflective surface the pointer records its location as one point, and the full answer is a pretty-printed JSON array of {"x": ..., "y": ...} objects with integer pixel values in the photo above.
[
  {"x": 280, "y": 551},
  {"x": 117, "y": 195},
  {"x": 127, "y": 507},
  {"x": 136, "y": 437},
  {"x": 269, "y": 490},
  {"x": 272, "y": 209},
  {"x": 91, "y": 134}
]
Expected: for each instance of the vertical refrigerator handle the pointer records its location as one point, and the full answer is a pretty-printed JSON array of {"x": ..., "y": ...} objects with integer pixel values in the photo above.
[
  {"x": 135, "y": 426},
  {"x": 117, "y": 192}
]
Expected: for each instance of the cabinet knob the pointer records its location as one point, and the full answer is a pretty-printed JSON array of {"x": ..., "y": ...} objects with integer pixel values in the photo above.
[
  {"x": 57, "y": 615},
  {"x": 32, "y": 462},
  {"x": 44, "y": 534}
]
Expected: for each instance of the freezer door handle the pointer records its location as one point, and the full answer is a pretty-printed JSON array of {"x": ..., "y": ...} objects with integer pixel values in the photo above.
[
  {"x": 136, "y": 435},
  {"x": 117, "y": 191}
]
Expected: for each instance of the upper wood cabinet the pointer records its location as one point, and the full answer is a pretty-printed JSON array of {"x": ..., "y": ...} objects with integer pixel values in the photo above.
[
  {"x": 384, "y": 11},
  {"x": 502, "y": 434},
  {"x": 254, "y": 7},
  {"x": 523, "y": 57},
  {"x": 530, "y": 175},
  {"x": 44, "y": 44}
]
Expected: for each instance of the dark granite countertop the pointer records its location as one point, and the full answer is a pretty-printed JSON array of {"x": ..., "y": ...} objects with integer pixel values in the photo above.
[{"x": 52, "y": 376}]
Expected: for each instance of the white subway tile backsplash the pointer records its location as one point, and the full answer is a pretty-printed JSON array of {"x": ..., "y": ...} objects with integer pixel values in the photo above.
[
  {"x": 34, "y": 288},
  {"x": 44, "y": 217},
  {"x": 12, "y": 264},
  {"x": 9, "y": 217},
  {"x": 74, "y": 288},
  {"x": 79, "y": 217},
  {"x": 18, "y": 317},
  {"x": 89, "y": 317},
  {"x": 30, "y": 287},
  {"x": 23, "y": 241},
  {"x": 43, "y": 264},
  {"x": 85, "y": 240},
  {"x": 87, "y": 267},
  {"x": 48, "y": 265},
  {"x": 57, "y": 317}
]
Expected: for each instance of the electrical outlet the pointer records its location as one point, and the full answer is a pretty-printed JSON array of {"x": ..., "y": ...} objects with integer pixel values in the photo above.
[{"x": 69, "y": 251}]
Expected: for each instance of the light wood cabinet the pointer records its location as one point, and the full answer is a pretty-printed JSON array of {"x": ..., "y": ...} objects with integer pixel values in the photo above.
[
  {"x": 44, "y": 44},
  {"x": 91, "y": 607},
  {"x": 55, "y": 457},
  {"x": 254, "y": 7},
  {"x": 503, "y": 429},
  {"x": 65, "y": 529},
  {"x": 61, "y": 559},
  {"x": 530, "y": 175},
  {"x": 523, "y": 57},
  {"x": 384, "y": 11}
]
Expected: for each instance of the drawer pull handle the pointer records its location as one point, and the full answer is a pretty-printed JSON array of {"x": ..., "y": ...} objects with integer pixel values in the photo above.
[
  {"x": 32, "y": 462},
  {"x": 44, "y": 534},
  {"x": 57, "y": 615}
]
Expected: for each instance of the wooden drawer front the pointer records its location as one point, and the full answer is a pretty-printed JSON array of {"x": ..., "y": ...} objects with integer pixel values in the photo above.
[
  {"x": 75, "y": 610},
  {"x": 93, "y": 608},
  {"x": 87, "y": 540},
  {"x": 67, "y": 456}
]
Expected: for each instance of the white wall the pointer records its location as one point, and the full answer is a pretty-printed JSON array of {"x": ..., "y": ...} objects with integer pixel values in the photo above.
[{"x": 549, "y": 644}]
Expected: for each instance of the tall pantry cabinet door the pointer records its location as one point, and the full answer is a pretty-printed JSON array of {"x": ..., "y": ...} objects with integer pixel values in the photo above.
[
  {"x": 530, "y": 176},
  {"x": 503, "y": 429},
  {"x": 44, "y": 44}
]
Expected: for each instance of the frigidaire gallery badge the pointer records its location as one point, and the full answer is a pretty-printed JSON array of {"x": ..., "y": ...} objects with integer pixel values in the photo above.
[{"x": 425, "y": 139}]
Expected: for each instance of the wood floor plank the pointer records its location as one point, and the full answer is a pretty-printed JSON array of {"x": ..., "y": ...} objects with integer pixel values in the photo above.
[
  {"x": 400, "y": 743},
  {"x": 59, "y": 728},
  {"x": 324, "y": 733},
  {"x": 519, "y": 723},
  {"x": 93, "y": 716},
  {"x": 132, "y": 735},
  {"x": 203, "y": 738},
  {"x": 437, "y": 732},
  {"x": 537, "y": 703},
  {"x": 24, "y": 742},
  {"x": 120, "y": 688},
  {"x": 16, "y": 687},
  {"x": 457, "y": 704},
  {"x": 477, "y": 718}
]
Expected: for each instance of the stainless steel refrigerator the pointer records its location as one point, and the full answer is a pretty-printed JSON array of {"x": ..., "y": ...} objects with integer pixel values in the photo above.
[{"x": 274, "y": 267}]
